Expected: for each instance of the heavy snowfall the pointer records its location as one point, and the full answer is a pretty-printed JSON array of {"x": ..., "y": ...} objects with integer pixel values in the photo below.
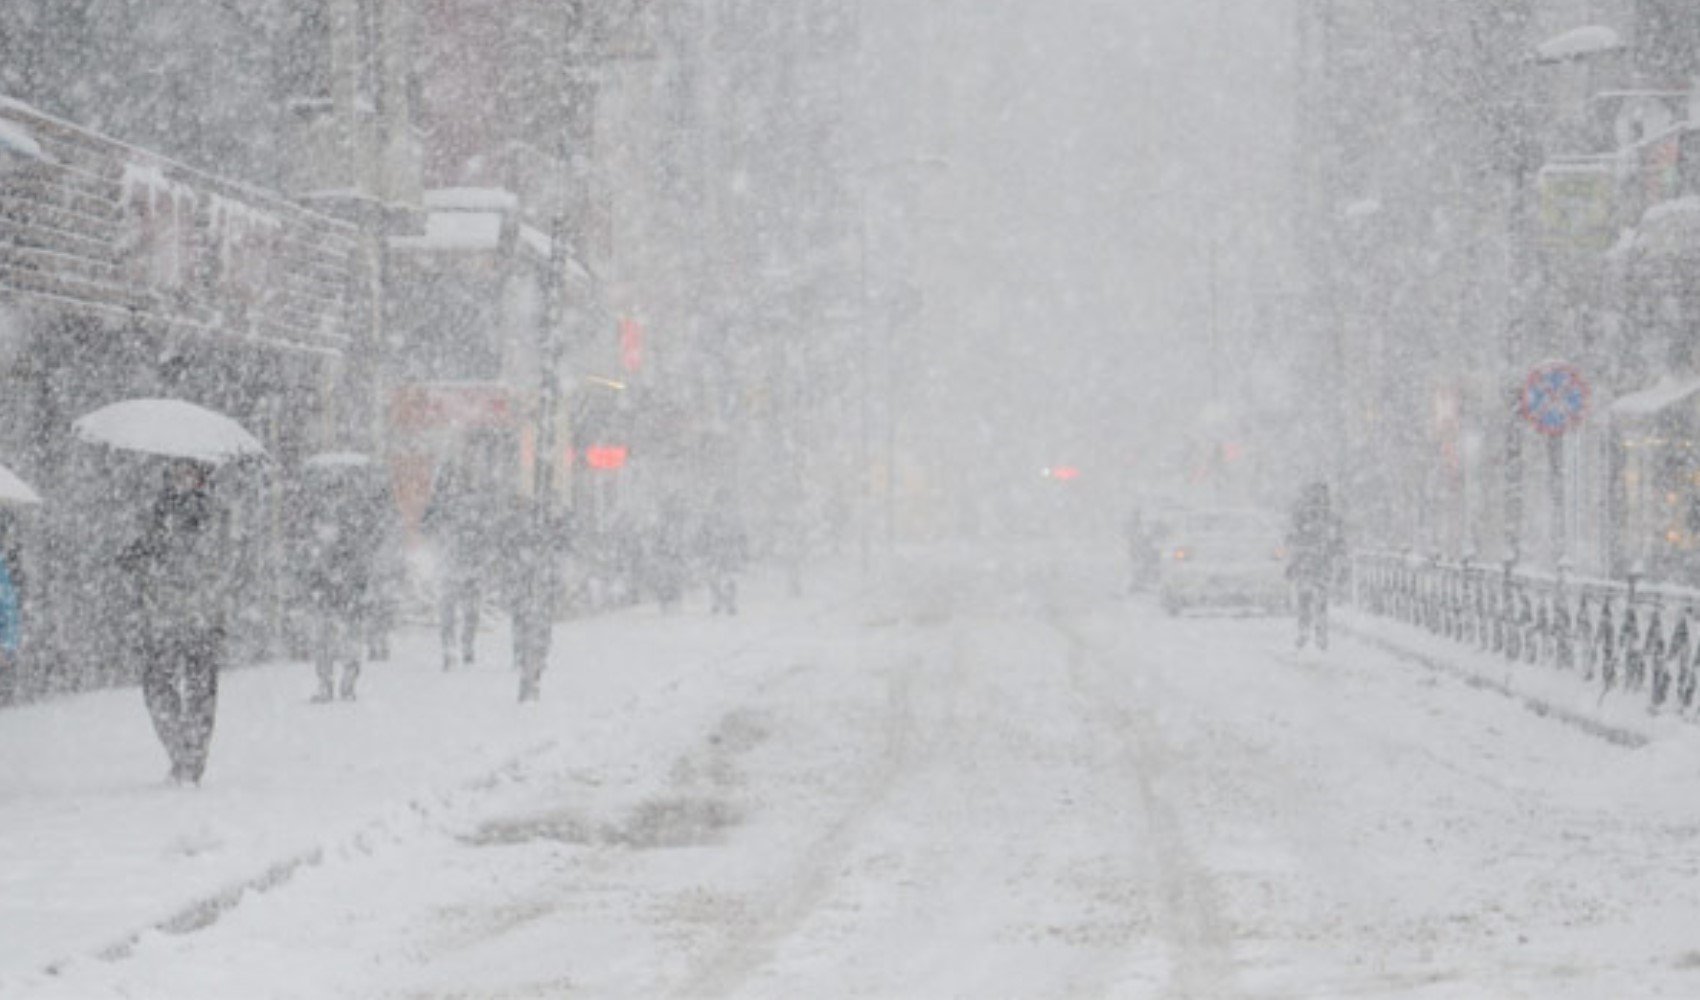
[{"x": 849, "y": 498}]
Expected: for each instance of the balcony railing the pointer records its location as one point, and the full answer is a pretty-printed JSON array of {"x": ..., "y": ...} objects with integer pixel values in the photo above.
[
  {"x": 89, "y": 223},
  {"x": 1622, "y": 636}
]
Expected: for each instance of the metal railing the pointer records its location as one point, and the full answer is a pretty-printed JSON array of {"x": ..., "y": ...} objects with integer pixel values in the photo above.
[{"x": 1621, "y": 635}]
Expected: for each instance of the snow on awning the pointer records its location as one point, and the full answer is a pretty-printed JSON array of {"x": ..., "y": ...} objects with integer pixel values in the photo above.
[
  {"x": 472, "y": 199},
  {"x": 455, "y": 231},
  {"x": 1578, "y": 42},
  {"x": 539, "y": 243},
  {"x": 17, "y": 140},
  {"x": 1650, "y": 402},
  {"x": 1671, "y": 227}
]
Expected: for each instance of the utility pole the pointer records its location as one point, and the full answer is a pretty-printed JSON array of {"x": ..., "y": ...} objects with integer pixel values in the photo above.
[
  {"x": 576, "y": 95},
  {"x": 1505, "y": 24}
]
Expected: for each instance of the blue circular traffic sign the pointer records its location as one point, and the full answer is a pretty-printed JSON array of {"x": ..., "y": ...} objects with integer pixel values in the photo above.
[{"x": 1555, "y": 398}]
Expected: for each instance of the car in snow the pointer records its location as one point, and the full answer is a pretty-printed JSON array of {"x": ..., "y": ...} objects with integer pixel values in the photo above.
[{"x": 1226, "y": 558}]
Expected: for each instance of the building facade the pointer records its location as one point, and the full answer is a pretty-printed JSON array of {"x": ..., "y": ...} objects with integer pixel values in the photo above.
[{"x": 1490, "y": 188}]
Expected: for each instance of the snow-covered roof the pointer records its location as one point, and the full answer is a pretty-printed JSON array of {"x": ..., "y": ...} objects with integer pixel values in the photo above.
[
  {"x": 1668, "y": 392},
  {"x": 455, "y": 231},
  {"x": 1577, "y": 42},
  {"x": 472, "y": 198}
]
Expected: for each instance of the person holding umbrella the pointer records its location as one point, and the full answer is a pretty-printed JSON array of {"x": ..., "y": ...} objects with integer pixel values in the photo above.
[
  {"x": 177, "y": 570},
  {"x": 179, "y": 565}
]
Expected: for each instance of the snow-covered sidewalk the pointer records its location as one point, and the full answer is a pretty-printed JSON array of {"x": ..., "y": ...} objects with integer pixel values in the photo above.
[{"x": 97, "y": 847}]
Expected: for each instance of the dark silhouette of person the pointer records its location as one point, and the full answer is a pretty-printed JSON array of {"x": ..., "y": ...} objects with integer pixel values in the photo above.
[
  {"x": 177, "y": 567},
  {"x": 458, "y": 519},
  {"x": 1314, "y": 545},
  {"x": 344, "y": 533}
]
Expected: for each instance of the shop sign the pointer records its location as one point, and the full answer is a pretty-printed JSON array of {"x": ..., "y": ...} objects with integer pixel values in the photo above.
[
  {"x": 476, "y": 406},
  {"x": 1577, "y": 204}
]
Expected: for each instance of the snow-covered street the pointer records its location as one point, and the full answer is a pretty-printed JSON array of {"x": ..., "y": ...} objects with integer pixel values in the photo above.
[{"x": 986, "y": 775}]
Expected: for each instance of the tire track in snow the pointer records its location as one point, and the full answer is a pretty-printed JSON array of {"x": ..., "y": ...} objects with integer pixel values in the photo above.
[
  {"x": 1199, "y": 943},
  {"x": 810, "y": 882}
]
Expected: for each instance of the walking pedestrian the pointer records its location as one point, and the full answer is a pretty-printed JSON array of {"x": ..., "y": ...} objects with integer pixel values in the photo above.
[
  {"x": 531, "y": 580},
  {"x": 344, "y": 535},
  {"x": 724, "y": 547},
  {"x": 1141, "y": 552},
  {"x": 666, "y": 555},
  {"x": 380, "y": 608},
  {"x": 177, "y": 570},
  {"x": 1313, "y": 547},
  {"x": 458, "y": 518},
  {"x": 11, "y": 618}
]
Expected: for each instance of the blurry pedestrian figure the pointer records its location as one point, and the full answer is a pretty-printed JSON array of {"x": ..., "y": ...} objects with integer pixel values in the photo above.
[
  {"x": 458, "y": 519},
  {"x": 724, "y": 548},
  {"x": 344, "y": 532},
  {"x": 629, "y": 571},
  {"x": 531, "y": 580},
  {"x": 1142, "y": 554},
  {"x": 383, "y": 597},
  {"x": 178, "y": 569},
  {"x": 388, "y": 577},
  {"x": 11, "y": 618},
  {"x": 792, "y": 548},
  {"x": 836, "y": 516},
  {"x": 666, "y": 556},
  {"x": 1313, "y": 547}
]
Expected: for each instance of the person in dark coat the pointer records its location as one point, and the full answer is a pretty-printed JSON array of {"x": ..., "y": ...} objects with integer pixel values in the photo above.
[
  {"x": 531, "y": 583},
  {"x": 343, "y": 538},
  {"x": 724, "y": 548},
  {"x": 177, "y": 570},
  {"x": 1142, "y": 554},
  {"x": 666, "y": 555},
  {"x": 380, "y": 608},
  {"x": 459, "y": 519},
  {"x": 1314, "y": 546}
]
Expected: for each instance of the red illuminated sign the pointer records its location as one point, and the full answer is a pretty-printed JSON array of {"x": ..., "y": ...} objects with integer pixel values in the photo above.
[{"x": 605, "y": 456}]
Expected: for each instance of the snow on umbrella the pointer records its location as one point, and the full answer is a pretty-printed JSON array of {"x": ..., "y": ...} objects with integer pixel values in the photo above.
[
  {"x": 168, "y": 427},
  {"x": 15, "y": 490}
]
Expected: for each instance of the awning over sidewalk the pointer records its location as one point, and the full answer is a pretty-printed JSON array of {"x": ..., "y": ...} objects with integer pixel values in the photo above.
[{"x": 1651, "y": 402}]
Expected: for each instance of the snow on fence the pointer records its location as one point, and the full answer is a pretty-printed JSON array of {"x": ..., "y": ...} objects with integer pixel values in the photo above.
[
  {"x": 1618, "y": 634},
  {"x": 89, "y": 223}
]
